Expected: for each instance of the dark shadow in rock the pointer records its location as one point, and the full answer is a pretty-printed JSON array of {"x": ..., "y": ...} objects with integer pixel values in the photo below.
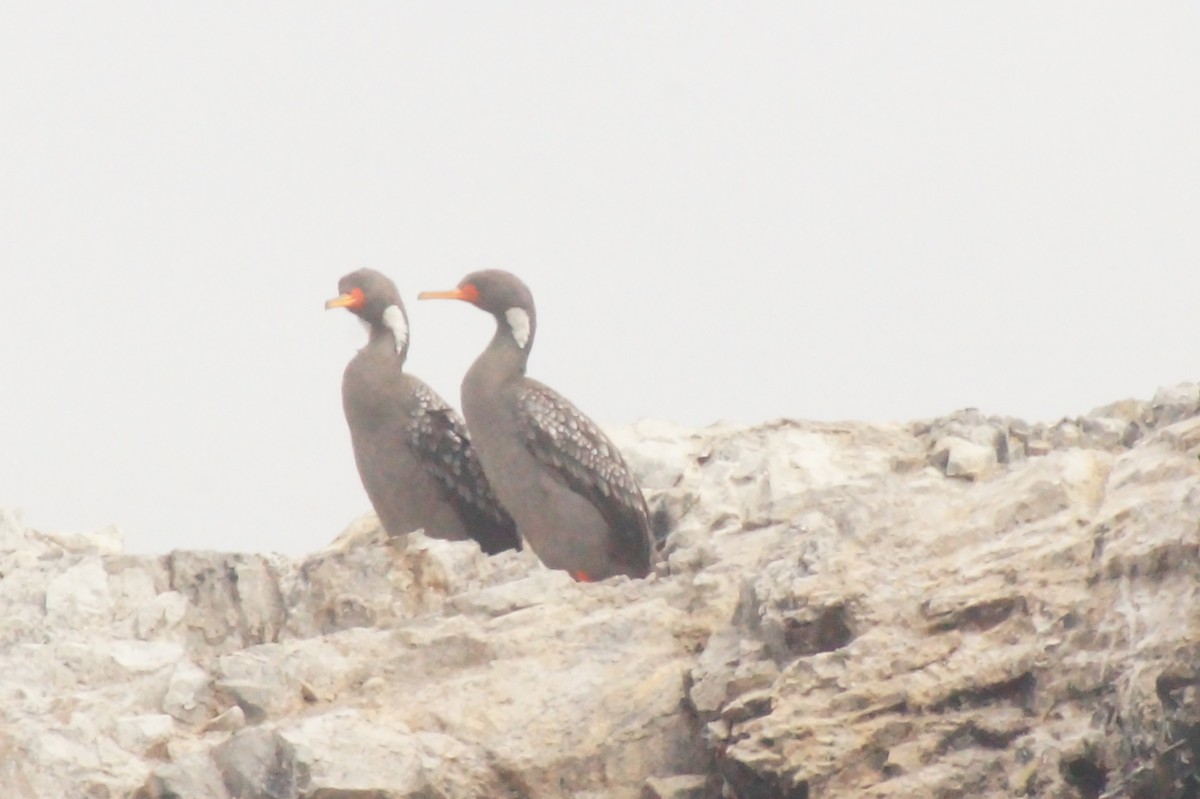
[
  {"x": 749, "y": 784},
  {"x": 827, "y": 632},
  {"x": 1089, "y": 778},
  {"x": 1018, "y": 690}
]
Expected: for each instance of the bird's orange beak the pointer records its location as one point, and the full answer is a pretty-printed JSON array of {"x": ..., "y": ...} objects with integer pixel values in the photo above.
[
  {"x": 353, "y": 299},
  {"x": 467, "y": 293}
]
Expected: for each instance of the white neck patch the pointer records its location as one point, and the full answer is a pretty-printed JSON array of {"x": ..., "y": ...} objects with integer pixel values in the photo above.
[
  {"x": 393, "y": 319},
  {"x": 518, "y": 322}
]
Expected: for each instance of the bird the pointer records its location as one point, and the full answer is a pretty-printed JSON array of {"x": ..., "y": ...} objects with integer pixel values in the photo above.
[
  {"x": 574, "y": 498},
  {"x": 413, "y": 451}
]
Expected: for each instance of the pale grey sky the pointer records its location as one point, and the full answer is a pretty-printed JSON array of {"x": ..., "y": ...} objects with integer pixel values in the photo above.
[{"x": 726, "y": 211}]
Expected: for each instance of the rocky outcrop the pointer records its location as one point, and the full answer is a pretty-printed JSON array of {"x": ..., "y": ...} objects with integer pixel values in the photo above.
[{"x": 968, "y": 607}]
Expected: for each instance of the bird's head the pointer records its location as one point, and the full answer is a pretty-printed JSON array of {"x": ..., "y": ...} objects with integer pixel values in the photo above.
[
  {"x": 500, "y": 293},
  {"x": 374, "y": 298}
]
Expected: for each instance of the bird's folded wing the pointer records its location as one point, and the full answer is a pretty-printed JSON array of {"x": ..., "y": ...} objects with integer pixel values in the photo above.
[
  {"x": 438, "y": 434},
  {"x": 578, "y": 453}
]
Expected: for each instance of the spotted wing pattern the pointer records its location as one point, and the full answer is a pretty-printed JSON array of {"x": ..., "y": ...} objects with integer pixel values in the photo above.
[
  {"x": 439, "y": 435},
  {"x": 581, "y": 455}
]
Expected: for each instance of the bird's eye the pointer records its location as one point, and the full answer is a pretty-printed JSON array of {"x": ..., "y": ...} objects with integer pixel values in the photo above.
[{"x": 470, "y": 293}]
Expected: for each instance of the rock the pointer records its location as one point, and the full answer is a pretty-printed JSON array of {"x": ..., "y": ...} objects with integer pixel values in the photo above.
[
  {"x": 832, "y": 617},
  {"x": 1174, "y": 403},
  {"x": 79, "y": 594},
  {"x": 957, "y": 457},
  {"x": 161, "y": 615},
  {"x": 232, "y": 719},
  {"x": 234, "y": 600},
  {"x": 108, "y": 541},
  {"x": 146, "y": 656},
  {"x": 687, "y": 786},
  {"x": 396, "y": 578},
  {"x": 259, "y": 764},
  {"x": 258, "y": 682},
  {"x": 188, "y": 694},
  {"x": 345, "y": 753},
  {"x": 13, "y": 535},
  {"x": 499, "y": 600},
  {"x": 194, "y": 775},
  {"x": 141, "y": 734}
]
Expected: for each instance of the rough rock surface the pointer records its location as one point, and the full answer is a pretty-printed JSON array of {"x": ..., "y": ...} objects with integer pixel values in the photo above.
[{"x": 968, "y": 607}]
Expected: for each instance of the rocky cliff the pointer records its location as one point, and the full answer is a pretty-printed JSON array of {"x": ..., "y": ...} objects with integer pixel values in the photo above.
[{"x": 968, "y": 607}]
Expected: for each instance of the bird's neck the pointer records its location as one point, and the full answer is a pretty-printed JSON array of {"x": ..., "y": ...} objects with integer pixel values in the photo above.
[
  {"x": 382, "y": 343},
  {"x": 504, "y": 351},
  {"x": 500, "y": 363}
]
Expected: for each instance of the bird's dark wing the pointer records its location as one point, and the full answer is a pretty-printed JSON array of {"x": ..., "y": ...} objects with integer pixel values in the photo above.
[
  {"x": 439, "y": 435},
  {"x": 579, "y": 454}
]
